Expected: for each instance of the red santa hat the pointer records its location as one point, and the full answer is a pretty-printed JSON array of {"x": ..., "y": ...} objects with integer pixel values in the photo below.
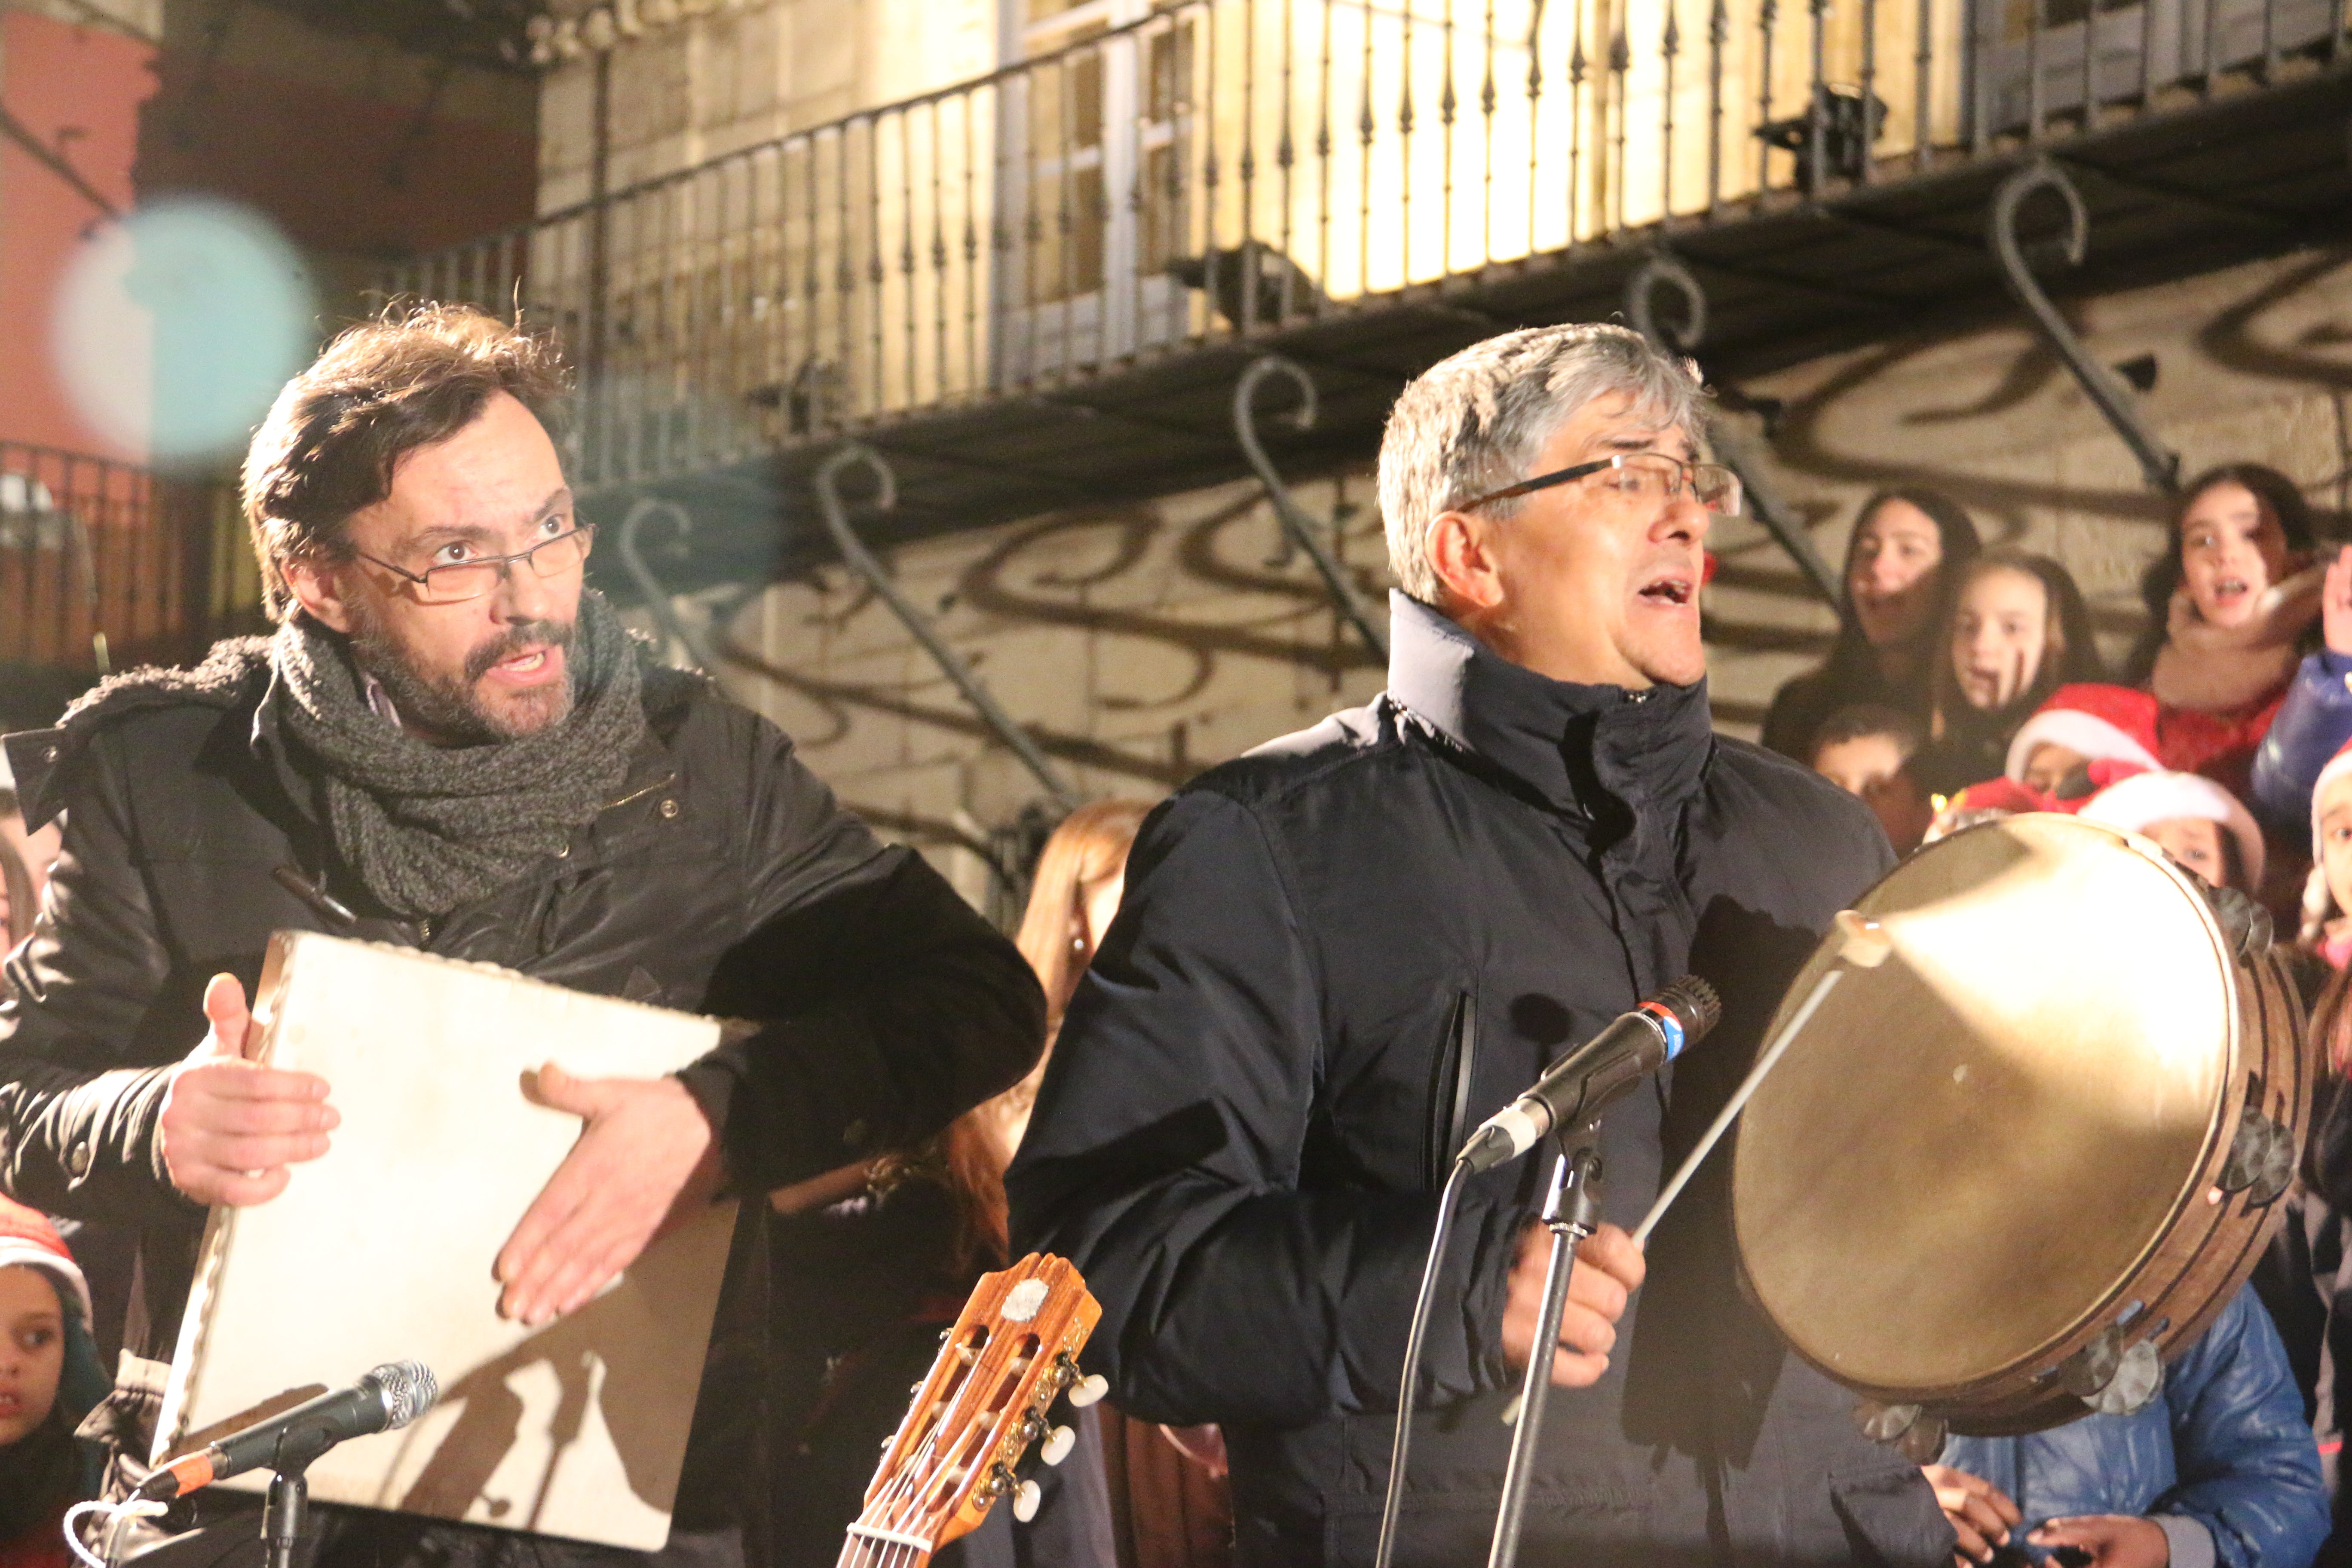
[
  {"x": 2133, "y": 803},
  {"x": 28, "y": 1240},
  {"x": 2103, "y": 723}
]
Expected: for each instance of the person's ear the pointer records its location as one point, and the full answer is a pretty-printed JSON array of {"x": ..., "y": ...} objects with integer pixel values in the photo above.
[
  {"x": 1461, "y": 553},
  {"x": 316, "y": 585}
]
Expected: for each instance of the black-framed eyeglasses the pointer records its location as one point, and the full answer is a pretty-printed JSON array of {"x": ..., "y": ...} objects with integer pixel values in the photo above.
[
  {"x": 462, "y": 580},
  {"x": 1638, "y": 478}
]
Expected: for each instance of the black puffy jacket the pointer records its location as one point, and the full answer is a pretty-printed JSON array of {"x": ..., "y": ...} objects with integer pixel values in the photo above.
[
  {"x": 1335, "y": 956},
  {"x": 723, "y": 877}
]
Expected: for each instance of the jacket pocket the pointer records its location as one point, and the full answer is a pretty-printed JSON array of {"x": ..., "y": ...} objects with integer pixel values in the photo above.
[
  {"x": 1452, "y": 1073},
  {"x": 1891, "y": 1519}
]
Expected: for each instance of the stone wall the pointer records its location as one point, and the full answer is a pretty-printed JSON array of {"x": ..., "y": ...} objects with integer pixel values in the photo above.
[{"x": 1145, "y": 643}]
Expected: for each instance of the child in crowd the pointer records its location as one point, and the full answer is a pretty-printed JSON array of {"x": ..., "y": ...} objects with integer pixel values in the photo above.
[
  {"x": 1906, "y": 544},
  {"x": 2056, "y": 752},
  {"x": 2197, "y": 822},
  {"x": 2220, "y": 1469},
  {"x": 2314, "y": 720},
  {"x": 2016, "y": 630},
  {"x": 1866, "y": 751},
  {"x": 2229, "y": 605},
  {"x": 49, "y": 1379}
]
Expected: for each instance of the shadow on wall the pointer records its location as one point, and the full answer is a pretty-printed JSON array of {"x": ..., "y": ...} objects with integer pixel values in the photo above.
[{"x": 1030, "y": 579}]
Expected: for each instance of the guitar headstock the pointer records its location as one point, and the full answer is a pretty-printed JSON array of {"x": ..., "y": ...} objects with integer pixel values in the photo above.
[{"x": 1011, "y": 1354}]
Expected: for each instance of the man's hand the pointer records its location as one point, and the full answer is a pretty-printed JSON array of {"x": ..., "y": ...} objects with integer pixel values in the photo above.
[
  {"x": 645, "y": 1159},
  {"x": 230, "y": 1128},
  {"x": 1609, "y": 1269},
  {"x": 1982, "y": 1513},
  {"x": 2108, "y": 1539},
  {"x": 2335, "y": 602}
]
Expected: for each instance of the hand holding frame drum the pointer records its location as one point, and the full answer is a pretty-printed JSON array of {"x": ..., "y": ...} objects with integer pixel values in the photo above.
[{"x": 2062, "y": 1111}]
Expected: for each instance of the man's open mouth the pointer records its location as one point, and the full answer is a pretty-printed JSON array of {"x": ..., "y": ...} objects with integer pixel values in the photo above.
[{"x": 1670, "y": 591}]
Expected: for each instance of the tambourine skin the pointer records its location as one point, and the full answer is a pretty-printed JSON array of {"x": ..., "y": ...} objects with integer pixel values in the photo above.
[{"x": 2012, "y": 1138}]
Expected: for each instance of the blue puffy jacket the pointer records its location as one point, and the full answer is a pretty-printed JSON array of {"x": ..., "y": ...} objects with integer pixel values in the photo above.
[
  {"x": 2224, "y": 1461},
  {"x": 2312, "y": 726}
]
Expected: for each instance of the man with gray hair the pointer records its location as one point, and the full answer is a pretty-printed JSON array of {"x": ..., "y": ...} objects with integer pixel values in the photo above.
[{"x": 1341, "y": 952}]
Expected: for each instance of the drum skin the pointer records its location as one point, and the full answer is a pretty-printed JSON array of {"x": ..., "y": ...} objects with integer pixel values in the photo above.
[{"x": 2010, "y": 1137}]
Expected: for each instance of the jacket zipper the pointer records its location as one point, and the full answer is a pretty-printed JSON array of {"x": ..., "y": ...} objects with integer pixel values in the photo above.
[{"x": 1449, "y": 1100}]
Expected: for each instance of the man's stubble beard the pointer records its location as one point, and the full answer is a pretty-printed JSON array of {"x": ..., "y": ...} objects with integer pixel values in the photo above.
[{"x": 450, "y": 707}]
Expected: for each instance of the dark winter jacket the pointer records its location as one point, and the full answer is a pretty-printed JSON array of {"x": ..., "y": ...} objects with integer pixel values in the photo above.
[
  {"x": 2223, "y": 1462},
  {"x": 723, "y": 878},
  {"x": 1336, "y": 955},
  {"x": 2312, "y": 726}
]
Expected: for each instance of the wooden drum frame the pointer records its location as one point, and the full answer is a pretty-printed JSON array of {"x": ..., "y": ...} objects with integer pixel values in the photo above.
[{"x": 2018, "y": 1161}]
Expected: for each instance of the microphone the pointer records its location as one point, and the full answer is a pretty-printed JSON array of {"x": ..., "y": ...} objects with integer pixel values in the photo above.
[
  {"x": 385, "y": 1400},
  {"x": 1573, "y": 1088}
]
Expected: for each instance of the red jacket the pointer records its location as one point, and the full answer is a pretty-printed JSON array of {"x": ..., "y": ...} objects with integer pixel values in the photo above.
[{"x": 2219, "y": 745}]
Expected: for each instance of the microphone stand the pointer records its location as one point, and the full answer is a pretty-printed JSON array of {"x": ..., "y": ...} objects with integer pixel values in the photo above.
[
  {"x": 1572, "y": 1211},
  {"x": 283, "y": 1516}
]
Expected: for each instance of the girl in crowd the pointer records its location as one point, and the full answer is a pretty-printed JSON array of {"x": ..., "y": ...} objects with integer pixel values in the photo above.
[
  {"x": 2015, "y": 631},
  {"x": 870, "y": 1262},
  {"x": 2228, "y": 603},
  {"x": 49, "y": 1379},
  {"x": 1906, "y": 544}
]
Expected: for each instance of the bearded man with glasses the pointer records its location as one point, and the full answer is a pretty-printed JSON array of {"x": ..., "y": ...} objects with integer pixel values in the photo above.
[
  {"x": 450, "y": 743},
  {"x": 1339, "y": 954}
]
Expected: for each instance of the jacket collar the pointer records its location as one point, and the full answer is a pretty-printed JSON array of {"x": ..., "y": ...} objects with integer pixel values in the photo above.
[{"x": 1645, "y": 750}]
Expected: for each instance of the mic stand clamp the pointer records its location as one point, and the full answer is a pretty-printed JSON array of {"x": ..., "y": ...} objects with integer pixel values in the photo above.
[
  {"x": 1573, "y": 1211},
  {"x": 283, "y": 1517},
  {"x": 287, "y": 1511}
]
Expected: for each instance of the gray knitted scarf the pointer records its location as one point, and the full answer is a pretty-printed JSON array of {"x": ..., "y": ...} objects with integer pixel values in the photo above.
[{"x": 429, "y": 828}]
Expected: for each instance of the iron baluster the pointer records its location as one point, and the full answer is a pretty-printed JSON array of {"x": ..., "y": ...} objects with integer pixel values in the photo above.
[
  {"x": 1323, "y": 153},
  {"x": 1670, "y": 44},
  {"x": 1448, "y": 102},
  {"x": 1730, "y": 449},
  {"x": 1404, "y": 148},
  {"x": 1923, "y": 89},
  {"x": 1294, "y": 518},
  {"x": 1718, "y": 33},
  {"x": 861, "y": 560},
  {"x": 1621, "y": 67},
  {"x": 1245, "y": 169},
  {"x": 877, "y": 271},
  {"x": 2157, "y": 463},
  {"x": 1817, "y": 140},
  {"x": 1286, "y": 155},
  {"x": 1367, "y": 129},
  {"x": 972, "y": 377},
  {"x": 1209, "y": 174},
  {"x": 1768, "y": 14},
  {"x": 1487, "y": 164},
  {"x": 1535, "y": 119},
  {"x": 1866, "y": 163},
  {"x": 1578, "y": 66}
]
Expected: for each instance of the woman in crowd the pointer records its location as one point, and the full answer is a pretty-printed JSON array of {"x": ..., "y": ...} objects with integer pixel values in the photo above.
[
  {"x": 869, "y": 1263},
  {"x": 2230, "y": 603},
  {"x": 49, "y": 1379},
  {"x": 1906, "y": 544},
  {"x": 2015, "y": 630}
]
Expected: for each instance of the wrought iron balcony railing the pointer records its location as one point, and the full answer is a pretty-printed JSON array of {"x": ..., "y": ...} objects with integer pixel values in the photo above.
[
  {"x": 1216, "y": 169},
  {"x": 103, "y": 563}
]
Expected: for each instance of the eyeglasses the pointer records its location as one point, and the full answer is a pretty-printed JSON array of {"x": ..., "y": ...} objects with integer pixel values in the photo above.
[
  {"x": 1636, "y": 480},
  {"x": 462, "y": 580}
]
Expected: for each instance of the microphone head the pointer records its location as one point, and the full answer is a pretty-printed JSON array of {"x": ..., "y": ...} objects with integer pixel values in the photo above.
[
  {"x": 408, "y": 1389},
  {"x": 1695, "y": 1005}
]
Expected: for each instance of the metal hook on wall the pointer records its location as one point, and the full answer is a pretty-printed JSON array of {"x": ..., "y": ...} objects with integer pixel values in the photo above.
[
  {"x": 1301, "y": 528},
  {"x": 1730, "y": 449},
  {"x": 2158, "y": 462},
  {"x": 656, "y": 593},
  {"x": 861, "y": 559}
]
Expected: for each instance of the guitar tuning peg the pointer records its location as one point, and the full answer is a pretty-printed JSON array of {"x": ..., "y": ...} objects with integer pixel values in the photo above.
[
  {"x": 1089, "y": 1390},
  {"x": 1025, "y": 1501},
  {"x": 1058, "y": 1444}
]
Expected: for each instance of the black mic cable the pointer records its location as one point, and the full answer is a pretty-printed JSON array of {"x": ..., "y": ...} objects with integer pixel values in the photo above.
[{"x": 1581, "y": 1081}]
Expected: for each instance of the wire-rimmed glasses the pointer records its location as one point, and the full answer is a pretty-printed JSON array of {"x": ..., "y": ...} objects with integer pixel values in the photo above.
[
  {"x": 1636, "y": 479},
  {"x": 461, "y": 579}
]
